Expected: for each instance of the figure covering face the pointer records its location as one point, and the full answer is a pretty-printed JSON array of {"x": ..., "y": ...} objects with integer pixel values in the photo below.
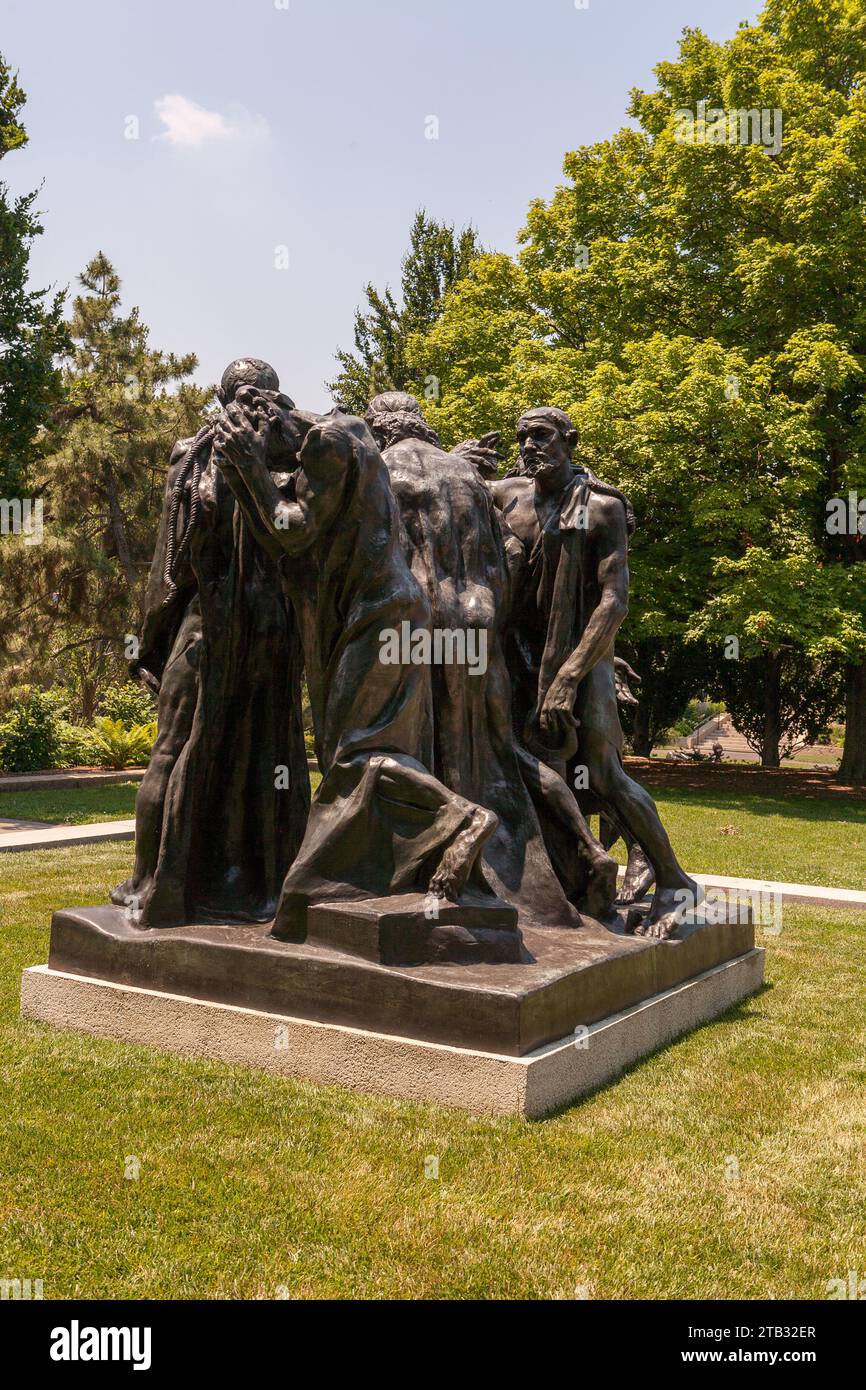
[
  {"x": 214, "y": 834},
  {"x": 380, "y": 822},
  {"x": 454, "y": 546}
]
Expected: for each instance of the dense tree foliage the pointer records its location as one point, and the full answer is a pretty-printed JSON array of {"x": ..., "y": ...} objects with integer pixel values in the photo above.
[
  {"x": 698, "y": 305},
  {"x": 31, "y": 329},
  {"x": 68, "y": 602},
  {"x": 437, "y": 258}
]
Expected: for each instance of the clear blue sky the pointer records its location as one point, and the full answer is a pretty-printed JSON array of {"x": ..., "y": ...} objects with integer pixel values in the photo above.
[{"x": 301, "y": 123}]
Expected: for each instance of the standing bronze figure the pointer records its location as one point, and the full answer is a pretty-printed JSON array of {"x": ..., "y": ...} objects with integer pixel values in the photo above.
[
  {"x": 455, "y": 548},
  {"x": 222, "y": 807},
  {"x": 570, "y": 602}
]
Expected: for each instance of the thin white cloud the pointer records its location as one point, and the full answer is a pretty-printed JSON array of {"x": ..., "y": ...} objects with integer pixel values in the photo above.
[{"x": 188, "y": 126}]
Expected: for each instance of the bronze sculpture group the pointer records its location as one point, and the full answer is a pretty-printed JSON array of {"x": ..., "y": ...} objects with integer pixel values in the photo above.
[{"x": 290, "y": 545}]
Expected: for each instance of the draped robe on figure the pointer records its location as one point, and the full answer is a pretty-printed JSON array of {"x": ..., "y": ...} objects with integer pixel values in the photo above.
[{"x": 222, "y": 639}]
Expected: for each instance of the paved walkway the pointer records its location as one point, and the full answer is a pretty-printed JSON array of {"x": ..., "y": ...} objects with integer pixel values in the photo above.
[
  {"x": 58, "y": 836},
  {"x": 9, "y": 827},
  {"x": 809, "y": 893}
]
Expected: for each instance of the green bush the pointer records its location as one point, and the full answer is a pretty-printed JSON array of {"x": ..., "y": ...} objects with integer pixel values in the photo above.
[
  {"x": 76, "y": 746},
  {"x": 129, "y": 702},
  {"x": 28, "y": 735},
  {"x": 117, "y": 747}
]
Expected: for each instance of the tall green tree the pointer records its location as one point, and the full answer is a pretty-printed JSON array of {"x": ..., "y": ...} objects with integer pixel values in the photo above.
[
  {"x": 437, "y": 258},
  {"x": 76, "y": 594},
  {"x": 699, "y": 305},
  {"x": 31, "y": 321}
]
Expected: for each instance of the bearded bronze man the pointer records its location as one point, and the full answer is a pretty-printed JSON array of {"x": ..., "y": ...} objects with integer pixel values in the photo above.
[{"x": 569, "y": 604}]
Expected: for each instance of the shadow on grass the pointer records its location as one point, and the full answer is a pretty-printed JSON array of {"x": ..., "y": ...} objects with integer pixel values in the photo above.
[
  {"x": 738, "y": 1012},
  {"x": 793, "y": 808}
]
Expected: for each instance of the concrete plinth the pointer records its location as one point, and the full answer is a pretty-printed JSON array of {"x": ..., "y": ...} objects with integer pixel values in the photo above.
[{"x": 482, "y": 1082}]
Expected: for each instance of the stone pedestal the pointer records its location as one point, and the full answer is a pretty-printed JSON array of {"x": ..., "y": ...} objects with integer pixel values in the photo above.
[{"x": 485, "y": 1082}]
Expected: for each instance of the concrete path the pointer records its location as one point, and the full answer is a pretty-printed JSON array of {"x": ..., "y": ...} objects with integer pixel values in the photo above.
[
  {"x": 9, "y": 827},
  {"x": 58, "y": 836},
  {"x": 809, "y": 893},
  {"x": 791, "y": 892}
]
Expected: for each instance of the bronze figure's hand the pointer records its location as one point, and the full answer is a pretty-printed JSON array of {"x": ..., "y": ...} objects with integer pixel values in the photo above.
[
  {"x": 241, "y": 436},
  {"x": 623, "y": 674}
]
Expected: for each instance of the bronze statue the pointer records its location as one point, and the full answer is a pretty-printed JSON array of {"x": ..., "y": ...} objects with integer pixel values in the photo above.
[
  {"x": 570, "y": 601},
  {"x": 222, "y": 807},
  {"x": 455, "y": 549},
  {"x": 380, "y": 823}
]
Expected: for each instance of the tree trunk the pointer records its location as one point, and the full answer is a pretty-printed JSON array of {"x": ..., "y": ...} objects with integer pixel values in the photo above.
[
  {"x": 89, "y": 696},
  {"x": 853, "y": 766},
  {"x": 118, "y": 529},
  {"x": 642, "y": 740},
  {"x": 772, "y": 731}
]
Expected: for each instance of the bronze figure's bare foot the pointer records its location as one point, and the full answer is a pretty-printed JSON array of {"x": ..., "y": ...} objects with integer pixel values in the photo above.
[
  {"x": 639, "y": 876},
  {"x": 600, "y": 888},
  {"x": 457, "y": 862},
  {"x": 669, "y": 910},
  {"x": 121, "y": 895}
]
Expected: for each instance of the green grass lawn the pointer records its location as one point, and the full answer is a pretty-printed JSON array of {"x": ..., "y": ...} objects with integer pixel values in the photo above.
[
  {"x": 728, "y": 1165},
  {"x": 754, "y": 835},
  {"x": 71, "y": 805},
  {"x": 80, "y": 805}
]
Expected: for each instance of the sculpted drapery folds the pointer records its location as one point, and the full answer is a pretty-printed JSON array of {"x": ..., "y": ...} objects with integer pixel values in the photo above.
[
  {"x": 455, "y": 547},
  {"x": 381, "y": 823}
]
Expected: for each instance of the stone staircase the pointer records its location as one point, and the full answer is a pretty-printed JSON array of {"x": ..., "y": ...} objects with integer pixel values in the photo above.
[{"x": 719, "y": 728}]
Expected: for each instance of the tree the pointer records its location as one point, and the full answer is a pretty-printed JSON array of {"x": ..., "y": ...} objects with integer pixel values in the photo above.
[
  {"x": 31, "y": 328},
  {"x": 699, "y": 306},
  {"x": 77, "y": 594},
  {"x": 672, "y": 673},
  {"x": 437, "y": 258}
]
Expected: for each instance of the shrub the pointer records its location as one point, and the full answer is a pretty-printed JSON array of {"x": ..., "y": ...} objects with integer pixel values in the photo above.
[
  {"x": 28, "y": 735},
  {"x": 117, "y": 747},
  {"x": 129, "y": 702},
  {"x": 76, "y": 747}
]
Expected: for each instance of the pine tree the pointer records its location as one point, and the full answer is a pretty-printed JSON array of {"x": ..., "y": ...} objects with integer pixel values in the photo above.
[
  {"x": 437, "y": 258},
  {"x": 31, "y": 330},
  {"x": 77, "y": 594}
]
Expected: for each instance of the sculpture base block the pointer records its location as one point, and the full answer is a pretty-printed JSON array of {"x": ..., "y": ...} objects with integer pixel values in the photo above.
[
  {"x": 482, "y": 1082},
  {"x": 566, "y": 979},
  {"x": 400, "y": 930}
]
